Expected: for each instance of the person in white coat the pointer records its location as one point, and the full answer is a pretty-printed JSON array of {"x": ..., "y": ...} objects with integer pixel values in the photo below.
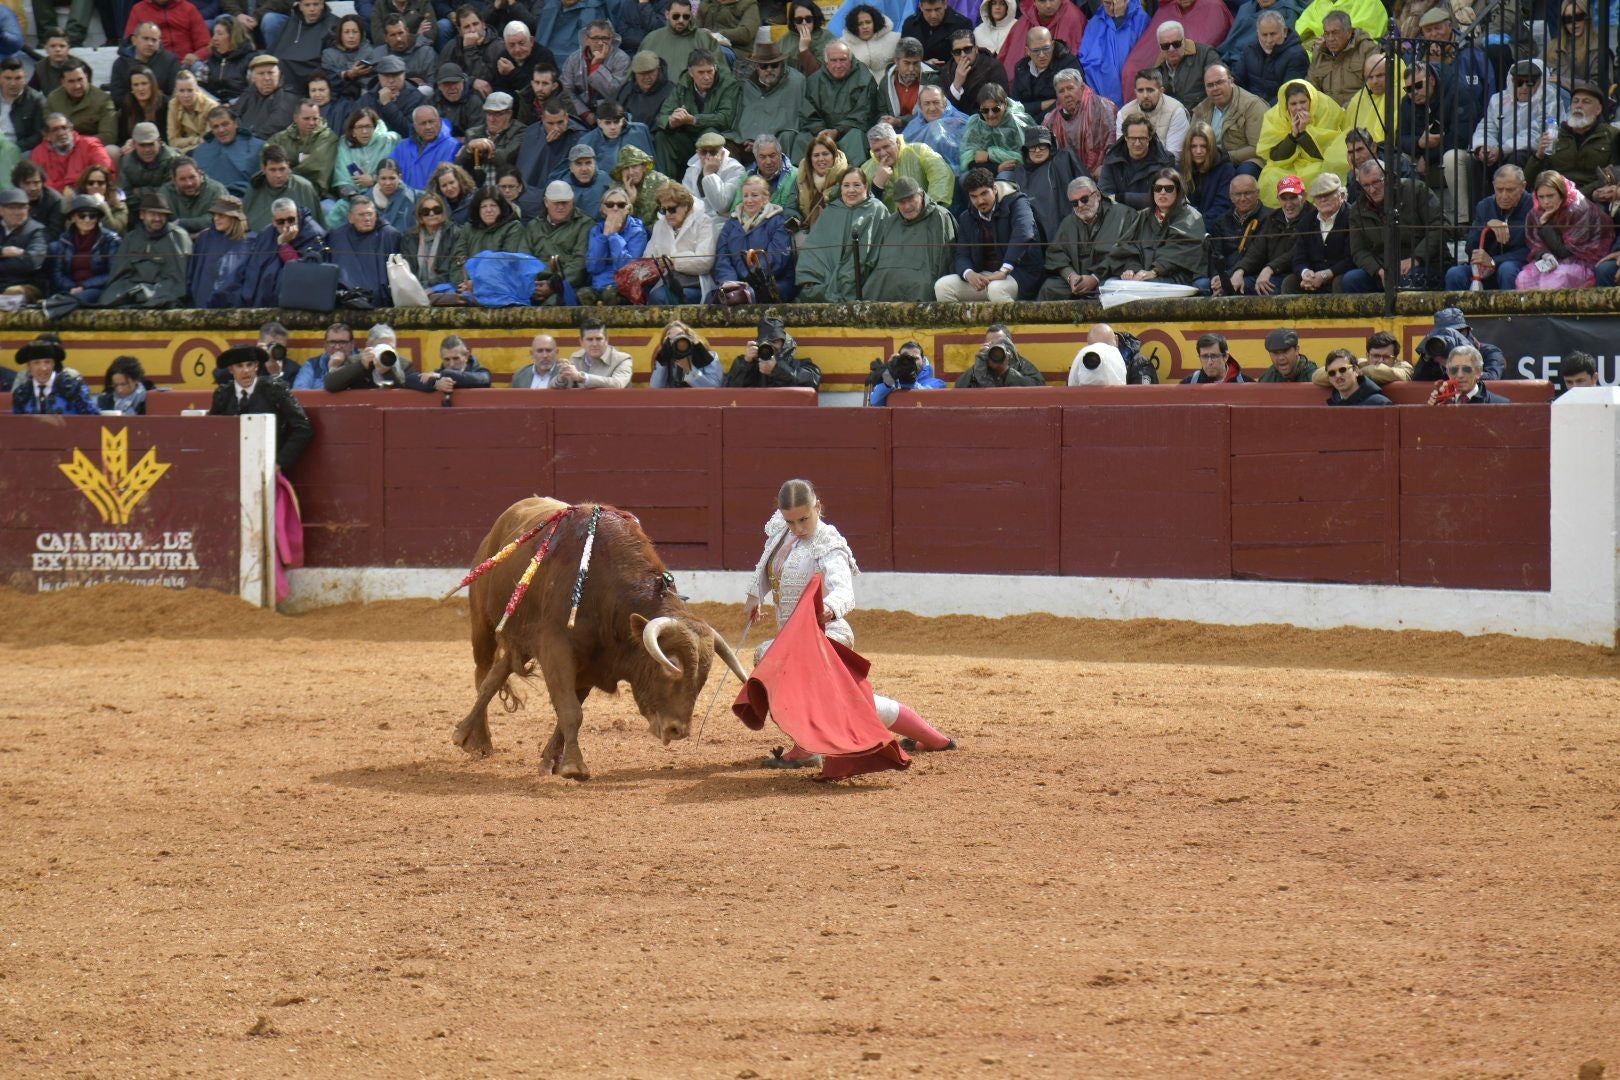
[
  {"x": 798, "y": 546},
  {"x": 871, "y": 38},
  {"x": 685, "y": 233},
  {"x": 996, "y": 20},
  {"x": 713, "y": 175}
]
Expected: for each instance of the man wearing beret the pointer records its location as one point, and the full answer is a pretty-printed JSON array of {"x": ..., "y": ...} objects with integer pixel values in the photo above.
[{"x": 250, "y": 391}]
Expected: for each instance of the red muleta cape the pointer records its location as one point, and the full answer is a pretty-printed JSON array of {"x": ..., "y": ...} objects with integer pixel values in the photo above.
[{"x": 816, "y": 691}]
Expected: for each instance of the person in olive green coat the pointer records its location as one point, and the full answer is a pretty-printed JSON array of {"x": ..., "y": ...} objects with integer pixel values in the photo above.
[
  {"x": 842, "y": 98},
  {"x": 635, "y": 173},
  {"x": 492, "y": 225},
  {"x": 560, "y": 236},
  {"x": 705, "y": 98},
  {"x": 311, "y": 146},
  {"x": 914, "y": 247},
  {"x": 735, "y": 20}
]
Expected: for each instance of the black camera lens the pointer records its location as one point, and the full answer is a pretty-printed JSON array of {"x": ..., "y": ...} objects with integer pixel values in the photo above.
[
  {"x": 681, "y": 345},
  {"x": 278, "y": 353},
  {"x": 767, "y": 351},
  {"x": 996, "y": 354}
]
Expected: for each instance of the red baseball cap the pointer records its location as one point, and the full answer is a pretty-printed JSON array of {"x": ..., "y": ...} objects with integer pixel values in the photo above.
[{"x": 1290, "y": 185}]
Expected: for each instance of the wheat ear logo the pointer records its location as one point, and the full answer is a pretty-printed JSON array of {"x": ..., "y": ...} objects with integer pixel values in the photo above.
[{"x": 115, "y": 489}]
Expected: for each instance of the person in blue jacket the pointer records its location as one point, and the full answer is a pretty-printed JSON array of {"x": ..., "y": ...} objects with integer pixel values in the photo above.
[
  {"x": 218, "y": 251},
  {"x": 293, "y": 235},
  {"x": 361, "y": 247},
  {"x": 617, "y": 239},
  {"x": 908, "y": 369},
  {"x": 86, "y": 236},
  {"x": 760, "y": 225}
]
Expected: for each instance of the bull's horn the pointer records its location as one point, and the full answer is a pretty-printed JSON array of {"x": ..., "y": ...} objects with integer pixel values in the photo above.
[
  {"x": 723, "y": 651},
  {"x": 649, "y": 639}
]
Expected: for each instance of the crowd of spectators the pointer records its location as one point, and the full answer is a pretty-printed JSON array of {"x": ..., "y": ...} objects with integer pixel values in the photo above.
[{"x": 643, "y": 151}]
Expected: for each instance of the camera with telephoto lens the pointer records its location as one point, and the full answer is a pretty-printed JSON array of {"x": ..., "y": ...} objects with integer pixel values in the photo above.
[
  {"x": 679, "y": 348},
  {"x": 995, "y": 354},
  {"x": 765, "y": 351},
  {"x": 278, "y": 352},
  {"x": 898, "y": 371}
]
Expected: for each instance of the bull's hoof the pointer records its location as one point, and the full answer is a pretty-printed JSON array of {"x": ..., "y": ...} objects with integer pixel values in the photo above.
[
  {"x": 472, "y": 735},
  {"x": 574, "y": 770}
]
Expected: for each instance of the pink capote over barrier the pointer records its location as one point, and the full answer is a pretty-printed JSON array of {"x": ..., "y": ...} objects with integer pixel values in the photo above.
[
  {"x": 816, "y": 691},
  {"x": 289, "y": 534}
]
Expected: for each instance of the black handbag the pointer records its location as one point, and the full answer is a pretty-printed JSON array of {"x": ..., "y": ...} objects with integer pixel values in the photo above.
[{"x": 309, "y": 286}]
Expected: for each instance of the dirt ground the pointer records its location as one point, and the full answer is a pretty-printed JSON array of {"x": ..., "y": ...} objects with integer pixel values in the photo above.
[{"x": 242, "y": 844}]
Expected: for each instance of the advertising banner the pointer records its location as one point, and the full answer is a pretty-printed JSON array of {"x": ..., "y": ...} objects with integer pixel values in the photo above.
[
  {"x": 169, "y": 502},
  {"x": 1534, "y": 344}
]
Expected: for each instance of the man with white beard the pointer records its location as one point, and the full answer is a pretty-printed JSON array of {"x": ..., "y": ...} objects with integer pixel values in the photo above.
[{"x": 1583, "y": 147}]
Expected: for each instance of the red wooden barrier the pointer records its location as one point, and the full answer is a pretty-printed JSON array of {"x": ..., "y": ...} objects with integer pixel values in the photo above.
[
  {"x": 1145, "y": 492},
  {"x": 172, "y": 402},
  {"x": 1315, "y": 494},
  {"x": 1255, "y": 393}
]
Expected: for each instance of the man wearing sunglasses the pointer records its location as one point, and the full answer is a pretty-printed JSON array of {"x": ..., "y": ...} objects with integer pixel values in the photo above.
[
  {"x": 1182, "y": 63},
  {"x": 935, "y": 25},
  {"x": 1517, "y": 115},
  {"x": 771, "y": 98},
  {"x": 971, "y": 69},
  {"x": 674, "y": 41},
  {"x": 841, "y": 100},
  {"x": 1466, "y": 368},
  {"x": 1350, "y": 386},
  {"x": 1090, "y": 245},
  {"x": 291, "y": 236}
]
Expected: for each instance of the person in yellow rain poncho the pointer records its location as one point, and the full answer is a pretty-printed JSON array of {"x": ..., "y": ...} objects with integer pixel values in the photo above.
[
  {"x": 1302, "y": 135},
  {"x": 1368, "y": 15},
  {"x": 1366, "y": 109}
]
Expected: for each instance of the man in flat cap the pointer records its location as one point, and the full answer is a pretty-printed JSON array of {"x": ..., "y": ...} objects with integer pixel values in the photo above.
[{"x": 265, "y": 107}]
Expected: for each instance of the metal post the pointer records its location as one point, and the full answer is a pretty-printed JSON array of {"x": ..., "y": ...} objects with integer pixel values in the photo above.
[
  {"x": 855, "y": 244},
  {"x": 1392, "y": 202}
]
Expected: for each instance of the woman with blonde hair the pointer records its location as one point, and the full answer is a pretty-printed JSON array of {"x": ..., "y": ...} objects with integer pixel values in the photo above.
[
  {"x": 100, "y": 182},
  {"x": 1573, "y": 46},
  {"x": 217, "y": 251},
  {"x": 823, "y": 166},
  {"x": 684, "y": 234},
  {"x": 188, "y": 113},
  {"x": 455, "y": 186},
  {"x": 683, "y": 358}
]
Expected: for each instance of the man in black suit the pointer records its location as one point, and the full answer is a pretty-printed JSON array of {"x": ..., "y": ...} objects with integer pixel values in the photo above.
[
  {"x": 250, "y": 390},
  {"x": 1322, "y": 256}
]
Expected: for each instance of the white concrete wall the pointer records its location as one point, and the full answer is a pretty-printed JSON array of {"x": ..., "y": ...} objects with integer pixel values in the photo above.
[
  {"x": 257, "y": 477},
  {"x": 1582, "y": 605}
]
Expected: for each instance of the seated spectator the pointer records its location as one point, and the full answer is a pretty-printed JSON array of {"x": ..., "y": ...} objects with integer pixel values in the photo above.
[
  {"x": 1091, "y": 244},
  {"x": 492, "y": 146},
  {"x": 1097, "y": 364},
  {"x": 1464, "y": 383},
  {"x": 1575, "y": 370},
  {"x": 560, "y": 235},
  {"x": 378, "y": 366},
  {"x": 871, "y": 39},
  {"x": 1215, "y": 363},
  {"x": 469, "y": 49},
  {"x": 345, "y": 60},
  {"x": 457, "y": 102},
  {"x": 455, "y": 186},
  {"x": 1111, "y": 33},
  {"x": 228, "y": 155},
  {"x": 1288, "y": 364},
  {"x": 934, "y": 25},
  {"x": 1236, "y": 243},
  {"x": 937, "y": 126},
  {"x": 713, "y": 175},
  {"x": 643, "y": 96},
  {"x": 311, "y": 146},
  {"x": 772, "y": 359},
  {"x": 999, "y": 256},
  {"x": 1274, "y": 56},
  {"x": 149, "y": 267},
  {"x": 1066, "y": 26},
  {"x": 225, "y": 65},
  {"x": 972, "y": 69},
  {"x": 183, "y": 32},
  {"x": 1339, "y": 58},
  {"x": 393, "y": 97},
  {"x": 1241, "y": 114},
  {"x": 597, "y": 69},
  {"x": 1131, "y": 164},
  {"x": 635, "y": 173},
  {"x": 1270, "y": 262},
  {"x": 218, "y": 251},
  {"x": 1515, "y": 118},
  {"x": 1383, "y": 363},
  {"x": 1081, "y": 121},
  {"x": 915, "y": 247},
  {"x": 1568, "y": 234},
  {"x": 543, "y": 148},
  {"x": 146, "y": 164},
  {"x": 361, "y": 248},
  {"x": 1497, "y": 246},
  {"x": 907, "y": 369},
  {"x": 1302, "y": 135},
  {"x": 44, "y": 205},
  {"x": 596, "y": 364},
  {"x": 588, "y": 182},
  {"x": 893, "y": 157},
  {"x": 1167, "y": 117},
  {"x": 274, "y": 181},
  {"x": 542, "y": 366},
  {"x": 680, "y": 35},
  {"x": 1167, "y": 243},
  {"x": 399, "y": 42},
  {"x": 1183, "y": 62},
  {"x": 335, "y": 111},
  {"x": 1044, "y": 175},
  {"x": 1359, "y": 146},
  {"x": 511, "y": 185},
  {"x": 1364, "y": 113},
  {"x": 995, "y": 24},
  {"x": 1032, "y": 85},
  {"x": 493, "y": 225},
  {"x": 1420, "y": 242},
  {"x": 97, "y": 181},
  {"x": 43, "y": 387},
  {"x": 840, "y": 250},
  {"x": 705, "y": 98},
  {"x": 366, "y": 143},
  {"x": 614, "y": 131},
  {"x": 266, "y": 106},
  {"x": 1434, "y": 127},
  {"x": 55, "y": 56},
  {"x": 1582, "y": 150},
  {"x": 430, "y": 145},
  {"x": 83, "y": 254},
  {"x": 757, "y": 229},
  {"x": 781, "y": 178},
  {"x": 900, "y": 86},
  {"x": 125, "y": 389},
  {"x": 396, "y": 203},
  {"x": 1350, "y": 386},
  {"x": 191, "y": 194},
  {"x": 683, "y": 359},
  {"x": 338, "y": 343},
  {"x": 997, "y": 364},
  {"x": 842, "y": 102},
  {"x": 458, "y": 370},
  {"x": 995, "y": 136},
  {"x": 142, "y": 103},
  {"x": 24, "y": 248},
  {"x": 64, "y": 153},
  {"x": 1574, "y": 47},
  {"x": 820, "y": 174},
  {"x": 1450, "y": 330},
  {"x": 1207, "y": 172},
  {"x": 88, "y": 109},
  {"x": 617, "y": 239},
  {"x": 292, "y": 236},
  {"x": 684, "y": 233}
]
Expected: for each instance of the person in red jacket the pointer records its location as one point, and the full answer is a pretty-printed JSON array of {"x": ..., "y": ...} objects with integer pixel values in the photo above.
[
  {"x": 64, "y": 154},
  {"x": 181, "y": 24}
]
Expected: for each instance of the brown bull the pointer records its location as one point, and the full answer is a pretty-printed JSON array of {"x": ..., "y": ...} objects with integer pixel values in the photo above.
[{"x": 631, "y": 627}]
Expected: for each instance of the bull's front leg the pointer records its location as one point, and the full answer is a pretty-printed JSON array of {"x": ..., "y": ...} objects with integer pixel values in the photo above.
[{"x": 566, "y": 702}]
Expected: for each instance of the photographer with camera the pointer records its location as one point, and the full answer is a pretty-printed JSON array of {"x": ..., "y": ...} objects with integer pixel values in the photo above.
[
  {"x": 378, "y": 366},
  {"x": 771, "y": 360},
  {"x": 998, "y": 364},
  {"x": 684, "y": 359},
  {"x": 907, "y": 369},
  {"x": 273, "y": 339}
]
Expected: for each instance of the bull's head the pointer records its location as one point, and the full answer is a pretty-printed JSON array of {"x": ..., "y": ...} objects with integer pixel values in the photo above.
[{"x": 680, "y": 650}]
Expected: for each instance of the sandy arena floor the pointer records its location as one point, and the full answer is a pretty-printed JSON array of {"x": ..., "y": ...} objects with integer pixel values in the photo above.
[{"x": 238, "y": 844}]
